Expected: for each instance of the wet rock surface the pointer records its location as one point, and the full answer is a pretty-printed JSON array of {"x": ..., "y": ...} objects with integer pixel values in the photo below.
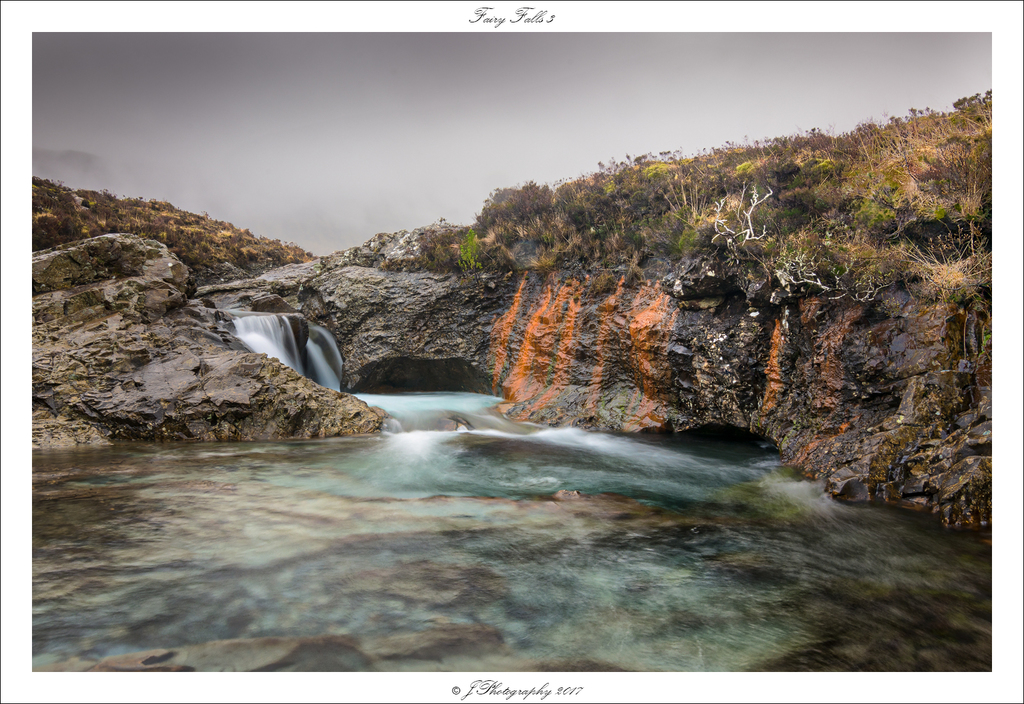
[
  {"x": 400, "y": 330},
  {"x": 884, "y": 402},
  {"x": 121, "y": 352},
  {"x": 274, "y": 291}
]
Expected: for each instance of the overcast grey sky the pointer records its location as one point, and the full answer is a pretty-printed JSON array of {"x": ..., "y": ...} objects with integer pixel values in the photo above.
[{"x": 327, "y": 139}]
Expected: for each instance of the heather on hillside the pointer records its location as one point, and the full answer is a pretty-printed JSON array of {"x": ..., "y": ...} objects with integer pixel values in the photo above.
[
  {"x": 61, "y": 215},
  {"x": 908, "y": 200}
]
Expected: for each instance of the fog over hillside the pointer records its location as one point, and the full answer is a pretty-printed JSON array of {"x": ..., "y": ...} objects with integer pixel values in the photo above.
[{"x": 326, "y": 139}]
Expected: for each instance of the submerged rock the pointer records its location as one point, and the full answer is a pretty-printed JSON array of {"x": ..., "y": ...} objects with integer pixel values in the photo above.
[
  {"x": 458, "y": 644},
  {"x": 120, "y": 353},
  {"x": 310, "y": 654},
  {"x": 438, "y": 643}
]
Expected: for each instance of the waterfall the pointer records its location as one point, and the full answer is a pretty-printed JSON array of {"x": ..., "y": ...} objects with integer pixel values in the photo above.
[
  {"x": 324, "y": 357},
  {"x": 313, "y": 353}
]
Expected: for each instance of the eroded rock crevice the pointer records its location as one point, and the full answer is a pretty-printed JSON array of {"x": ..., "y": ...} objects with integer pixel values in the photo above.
[{"x": 403, "y": 374}]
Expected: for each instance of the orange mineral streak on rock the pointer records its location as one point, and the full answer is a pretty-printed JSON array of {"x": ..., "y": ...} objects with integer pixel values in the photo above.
[
  {"x": 646, "y": 414},
  {"x": 500, "y": 334},
  {"x": 527, "y": 378},
  {"x": 606, "y": 310},
  {"x": 826, "y": 435},
  {"x": 773, "y": 372},
  {"x": 809, "y": 309},
  {"x": 805, "y": 452},
  {"x": 566, "y": 343},
  {"x": 543, "y": 369},
  {"x": 650, "y": 325},
  {"x": 648, "y": 334},
  {"x": 831, "y": 364}
]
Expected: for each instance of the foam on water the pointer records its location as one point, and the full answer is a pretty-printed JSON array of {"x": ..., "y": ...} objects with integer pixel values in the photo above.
[
  {"x": 598, "y": 443},
  {"x": 415, "y": 444}
]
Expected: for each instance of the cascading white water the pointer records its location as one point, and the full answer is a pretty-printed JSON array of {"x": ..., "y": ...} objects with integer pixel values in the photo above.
[
  {"x": 324, "y": 358},
  {"x": 318, "y": 359}
]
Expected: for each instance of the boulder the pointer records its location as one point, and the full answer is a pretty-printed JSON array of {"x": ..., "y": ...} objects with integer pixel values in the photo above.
[
  {"x": 392, "y": 250},
  {"x": 113, "y": 256},
  {"x": 130, "y": 357},
  {"x": 273, "y": 291}
]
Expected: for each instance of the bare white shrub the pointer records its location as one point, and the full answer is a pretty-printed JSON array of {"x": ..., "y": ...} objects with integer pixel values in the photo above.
[{"x": 722, "y": 228}]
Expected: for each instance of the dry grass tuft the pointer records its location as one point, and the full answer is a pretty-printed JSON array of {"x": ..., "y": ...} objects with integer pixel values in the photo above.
[{"x": 953, "y": 277}]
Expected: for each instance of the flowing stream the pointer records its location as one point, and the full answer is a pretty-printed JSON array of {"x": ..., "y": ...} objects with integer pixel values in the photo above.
[
  {"x": 444, "y": 544},
  {"x": 316, "y": 357}
]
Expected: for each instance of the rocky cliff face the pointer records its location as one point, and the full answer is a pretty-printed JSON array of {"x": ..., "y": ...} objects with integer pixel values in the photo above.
[
  {"x": 884, "y": 401},
  {"x": 889, "y": 401},
  {"x": 121, "y": 351}
]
